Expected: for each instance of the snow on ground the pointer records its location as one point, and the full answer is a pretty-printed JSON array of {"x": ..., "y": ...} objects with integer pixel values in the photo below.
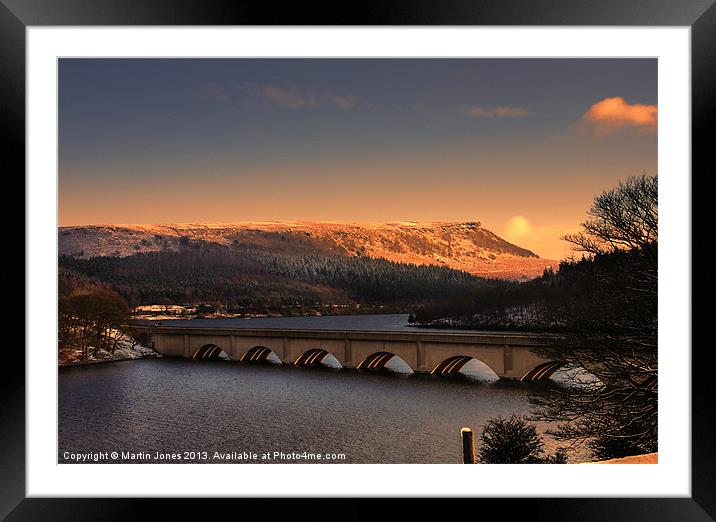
[
  {"x": 123, "y": 351},
  {"x": 459, "y": 245}
]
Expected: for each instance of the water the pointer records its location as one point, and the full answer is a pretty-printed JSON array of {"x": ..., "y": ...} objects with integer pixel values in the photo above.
[
  {"x": 175, "y": 406},
  {"x": 368, "y": 322}
]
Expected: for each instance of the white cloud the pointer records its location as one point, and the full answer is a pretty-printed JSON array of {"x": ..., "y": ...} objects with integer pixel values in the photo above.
[
  {"x": 498, "y": 112},
  {"x": 274, "y": 96},
  {"x": 294, "y": 98}
]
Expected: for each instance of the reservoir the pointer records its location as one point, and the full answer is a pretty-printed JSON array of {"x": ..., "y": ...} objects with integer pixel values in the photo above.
[
  {"x": 199, "y": 409},
  {"x": 365, "y": 323}
]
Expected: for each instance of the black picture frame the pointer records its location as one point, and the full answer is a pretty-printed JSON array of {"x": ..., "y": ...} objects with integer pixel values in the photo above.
[{"x": 700, "y": 15}]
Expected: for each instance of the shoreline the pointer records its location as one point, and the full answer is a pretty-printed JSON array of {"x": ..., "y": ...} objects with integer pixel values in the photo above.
[{"x": 105, "y": 361}]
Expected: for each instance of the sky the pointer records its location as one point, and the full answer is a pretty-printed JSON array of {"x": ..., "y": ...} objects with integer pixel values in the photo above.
[{"x": 521, "y": 145}]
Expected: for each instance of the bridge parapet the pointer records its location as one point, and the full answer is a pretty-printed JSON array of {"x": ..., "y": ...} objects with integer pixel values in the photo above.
[
  {"x": 516, "y": 338},
  {"x": 509, "y": 354}
]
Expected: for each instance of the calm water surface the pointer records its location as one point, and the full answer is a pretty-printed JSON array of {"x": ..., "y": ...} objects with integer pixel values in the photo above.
[
  {"x": 368, "y": 322},
  {"x": 169, "y": 405}
]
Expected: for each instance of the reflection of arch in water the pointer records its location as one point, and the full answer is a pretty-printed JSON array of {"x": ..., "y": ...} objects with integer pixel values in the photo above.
[
  {"x": 261, "y": 354},
  {"x": 210, "y": 352},
  {"x": 317, "y": 357},
  {"x": 385, "y": 361},
  {"x": 542, "y": 372},
  {"x": 467, "y": 366}
]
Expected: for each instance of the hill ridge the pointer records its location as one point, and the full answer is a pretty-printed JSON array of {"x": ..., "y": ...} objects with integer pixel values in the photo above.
[{"x": 462, "y": 245}]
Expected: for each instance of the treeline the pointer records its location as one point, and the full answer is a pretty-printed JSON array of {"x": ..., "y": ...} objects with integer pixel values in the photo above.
[
  {"x": 91, "y": 316},
  {"x": 244, "y": 277},
  {"x": 588, "y": 288}
]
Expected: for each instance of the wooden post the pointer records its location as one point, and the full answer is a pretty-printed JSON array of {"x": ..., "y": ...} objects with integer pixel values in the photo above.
[{"x": 468, "y": 446}]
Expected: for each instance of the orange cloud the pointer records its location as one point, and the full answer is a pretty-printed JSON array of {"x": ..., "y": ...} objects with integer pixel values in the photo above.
[
  {"x": 499, "y": 112},
  {"x": 615, "y": 114}
]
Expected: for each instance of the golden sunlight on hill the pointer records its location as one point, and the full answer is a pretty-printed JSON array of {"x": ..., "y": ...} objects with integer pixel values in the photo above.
[{"x": 463, "y": 246}]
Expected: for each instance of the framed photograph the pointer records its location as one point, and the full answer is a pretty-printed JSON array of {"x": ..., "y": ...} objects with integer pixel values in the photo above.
[{"x": 417, "y": 239}]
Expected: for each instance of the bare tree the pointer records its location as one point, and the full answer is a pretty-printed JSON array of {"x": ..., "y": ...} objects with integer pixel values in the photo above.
[
  {"x": 92, "y": 320},
  {"x": 624, "y": 218},
  {"x": 610, "y": 339}
]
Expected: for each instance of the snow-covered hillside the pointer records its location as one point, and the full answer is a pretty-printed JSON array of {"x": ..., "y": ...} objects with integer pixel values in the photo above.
[{"x": 464, "y": 246}]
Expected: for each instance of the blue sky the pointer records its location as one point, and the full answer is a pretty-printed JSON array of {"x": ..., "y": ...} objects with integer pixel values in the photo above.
[{"x": 187, "y": 140}]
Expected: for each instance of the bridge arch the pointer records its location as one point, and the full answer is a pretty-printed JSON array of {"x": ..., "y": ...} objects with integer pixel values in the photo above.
[
  {"x": 260, "y": 354},
  {"x": 465, "y": 365},
  {"x": 542, "y": 372},
  {"x": 563, "y": 374},
  {"x": 211, "y": 352},
  {"x": 316, "y": 357},
  {"x": 386, "y": 361}
]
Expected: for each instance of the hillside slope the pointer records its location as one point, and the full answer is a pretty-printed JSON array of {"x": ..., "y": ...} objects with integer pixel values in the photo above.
[{"x": 462, "y": 246}]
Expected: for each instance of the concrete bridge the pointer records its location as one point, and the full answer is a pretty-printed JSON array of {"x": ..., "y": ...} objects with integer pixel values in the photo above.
[{"x": 509, "y": 355}]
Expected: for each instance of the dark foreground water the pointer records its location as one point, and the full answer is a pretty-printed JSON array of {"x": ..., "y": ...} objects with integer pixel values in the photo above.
[{"x": 221, "y": 410}]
